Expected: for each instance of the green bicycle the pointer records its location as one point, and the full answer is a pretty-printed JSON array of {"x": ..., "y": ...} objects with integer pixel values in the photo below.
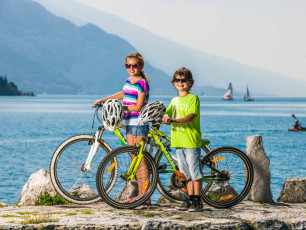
[{"x": 228, "y": 174}]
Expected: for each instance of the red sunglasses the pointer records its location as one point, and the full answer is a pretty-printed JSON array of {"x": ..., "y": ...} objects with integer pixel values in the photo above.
[{"x": 135, "y": 66}]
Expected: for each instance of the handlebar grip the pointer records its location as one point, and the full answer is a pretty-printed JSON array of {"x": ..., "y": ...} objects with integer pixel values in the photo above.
[{"x": 99, "y": 104}]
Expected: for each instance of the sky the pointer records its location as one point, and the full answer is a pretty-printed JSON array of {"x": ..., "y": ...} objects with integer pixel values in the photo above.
[{"x": 269, "y": 34}]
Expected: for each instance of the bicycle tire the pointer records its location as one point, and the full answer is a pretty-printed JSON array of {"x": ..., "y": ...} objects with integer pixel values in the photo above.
[
  {"x": 116, "y": 196},
  {"x": 168, "y": 187},
  {"x": 66, "y": 163},
  {"x": 235, "y": 181}
]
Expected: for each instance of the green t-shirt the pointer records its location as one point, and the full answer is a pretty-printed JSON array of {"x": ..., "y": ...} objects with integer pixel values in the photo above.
[{"x": 185, "y": 135}]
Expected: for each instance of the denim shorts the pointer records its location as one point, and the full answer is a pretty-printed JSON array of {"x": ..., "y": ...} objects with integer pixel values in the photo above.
[
  {"x": 189, "y": 162},
  {"x": 137, "y": 130}
]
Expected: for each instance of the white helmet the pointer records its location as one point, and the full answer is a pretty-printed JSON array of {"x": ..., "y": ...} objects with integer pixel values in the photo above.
[
  {"x": 112, "y": 114},
  {"x": 152, "y": 112}
]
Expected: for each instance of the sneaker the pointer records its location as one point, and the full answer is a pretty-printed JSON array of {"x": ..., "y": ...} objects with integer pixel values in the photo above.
[
  {"x": 185, "y": 205},
  {"x": 196, "y": 206}
]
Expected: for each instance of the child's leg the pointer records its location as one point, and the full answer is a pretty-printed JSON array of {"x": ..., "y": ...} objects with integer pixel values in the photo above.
[
  {"x": 193, "y": 157},
  {"x": 142, "y": 174}
]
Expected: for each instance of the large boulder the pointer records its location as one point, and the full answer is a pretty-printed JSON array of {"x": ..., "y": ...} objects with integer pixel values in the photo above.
[
  {"x": 261, "y": 189},
  {"x": 294, "y": 191},
  {"x": 38, "y": 183},
  {"x": 129, "y": 190},
  {"x": 82, "y": 191}
]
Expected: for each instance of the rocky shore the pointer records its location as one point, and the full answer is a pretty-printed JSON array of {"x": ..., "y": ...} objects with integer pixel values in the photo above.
[{"x": 246, "y": 215}]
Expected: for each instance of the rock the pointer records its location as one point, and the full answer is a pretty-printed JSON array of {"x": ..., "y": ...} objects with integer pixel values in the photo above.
[
  {"x": 82, "y": 191},
  {"x": 294, "y": 191},
  {"x": 261, "y": 190},
  {"x": 176, "y": 192},
  {"x": 38, "y": 183},
  {"x": 129, "y": 190}
]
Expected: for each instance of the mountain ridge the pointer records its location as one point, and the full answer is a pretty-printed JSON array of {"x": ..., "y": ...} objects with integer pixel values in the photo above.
[
  {"x": 48, "y": 54},
  {"x": 208, "y": 69}
]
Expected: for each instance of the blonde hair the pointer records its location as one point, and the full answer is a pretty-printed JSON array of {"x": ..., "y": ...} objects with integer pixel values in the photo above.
[{"x": 140, "y": 62}]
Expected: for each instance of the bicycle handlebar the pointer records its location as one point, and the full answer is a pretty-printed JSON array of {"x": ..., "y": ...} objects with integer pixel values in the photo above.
[{"x": 98, "y": 105}]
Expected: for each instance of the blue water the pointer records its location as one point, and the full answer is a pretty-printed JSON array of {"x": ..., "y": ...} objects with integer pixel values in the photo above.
[{"x": 32, "y": 128}]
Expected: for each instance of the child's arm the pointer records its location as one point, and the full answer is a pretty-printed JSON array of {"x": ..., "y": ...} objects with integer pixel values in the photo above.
[
  {"x": 185, "y": 119},
  {"x": 118, "y": 96},
  {"x": 139, "y": 103}
]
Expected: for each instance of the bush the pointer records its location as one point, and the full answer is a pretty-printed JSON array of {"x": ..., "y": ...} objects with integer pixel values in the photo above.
[{"x": 48, "y": 200}]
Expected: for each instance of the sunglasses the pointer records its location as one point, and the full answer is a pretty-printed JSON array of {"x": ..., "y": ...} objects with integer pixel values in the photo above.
[
  {"x": 135, "y": 66},
  {"x": 177, "y": 80}
]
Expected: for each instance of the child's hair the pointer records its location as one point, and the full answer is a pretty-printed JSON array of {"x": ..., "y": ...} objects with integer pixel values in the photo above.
[
  {"x": 184, "y": 72},
  {"x": 140, "y": 62}
]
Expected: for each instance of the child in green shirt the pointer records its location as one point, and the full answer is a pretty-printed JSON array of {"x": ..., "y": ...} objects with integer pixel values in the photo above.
[{"x": 184, "y": 115}]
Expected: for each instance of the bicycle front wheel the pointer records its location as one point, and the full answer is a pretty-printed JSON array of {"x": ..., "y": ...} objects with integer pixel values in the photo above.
[
  {"x": 126, "y": 193},
  {"x": 68, "y": 178},
  {"x": 229, "y": 173}
]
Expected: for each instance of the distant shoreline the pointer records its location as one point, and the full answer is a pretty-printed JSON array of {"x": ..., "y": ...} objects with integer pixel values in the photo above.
[{"x": 11, "y": 89}]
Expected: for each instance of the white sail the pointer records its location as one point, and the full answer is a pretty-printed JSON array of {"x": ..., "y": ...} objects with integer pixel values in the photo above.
[
  {"x": 229, "y": 93},
  {"x": 247, "y": 97}
]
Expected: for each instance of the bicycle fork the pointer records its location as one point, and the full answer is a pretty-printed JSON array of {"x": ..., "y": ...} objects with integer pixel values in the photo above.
[{"x": 93, "y": 149}]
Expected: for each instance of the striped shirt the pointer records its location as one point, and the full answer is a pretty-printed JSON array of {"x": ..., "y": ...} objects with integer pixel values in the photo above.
[{"x": 131, "y": 92}]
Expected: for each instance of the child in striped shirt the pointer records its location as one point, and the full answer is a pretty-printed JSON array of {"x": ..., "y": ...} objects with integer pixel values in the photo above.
[{"x": 135, "y": 95}]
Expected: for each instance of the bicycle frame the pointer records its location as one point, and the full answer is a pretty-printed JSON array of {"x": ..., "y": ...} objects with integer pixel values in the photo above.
[{"x": 155, "y": 133}]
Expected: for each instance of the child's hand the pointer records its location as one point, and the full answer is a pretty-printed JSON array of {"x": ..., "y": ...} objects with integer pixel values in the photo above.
[
  {"x": 95, "y": 103},
  {"x": 166, "y": 120}
]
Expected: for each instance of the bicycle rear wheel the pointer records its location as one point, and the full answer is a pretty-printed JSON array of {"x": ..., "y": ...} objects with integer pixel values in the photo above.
[
  {"x": 231, "y": 172},
  {"x": 66, "y": 173},
  {"x": 125, "y": 193}
]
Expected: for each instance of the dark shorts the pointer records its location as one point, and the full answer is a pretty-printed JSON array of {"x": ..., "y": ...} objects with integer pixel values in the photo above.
[{"x": 137, "y": 130}]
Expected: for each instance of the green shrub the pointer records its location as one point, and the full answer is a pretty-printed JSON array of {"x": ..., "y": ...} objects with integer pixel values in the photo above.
[{"x": 48, "y": 200}]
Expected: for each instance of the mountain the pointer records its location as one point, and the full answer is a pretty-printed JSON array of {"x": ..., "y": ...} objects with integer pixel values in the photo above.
[
  {"x": 41, "y": 52},
  {"x": 167, "y": 55}
]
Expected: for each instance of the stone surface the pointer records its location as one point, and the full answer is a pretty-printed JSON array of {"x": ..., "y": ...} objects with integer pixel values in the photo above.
[
  {"x": 246, "y": 215},
  {"x": 82, "y": 191},
  {"x": 176, "y": 192},
  {"x": 261, "y": 190},
  {"x": 294, "y": 191},
  {"x": 38, "y": 183}
]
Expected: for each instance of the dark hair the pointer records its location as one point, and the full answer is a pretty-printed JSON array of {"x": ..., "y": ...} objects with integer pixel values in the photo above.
[
  {"x": 140, "y": 62},
  {"x": 184, "y": 72}
]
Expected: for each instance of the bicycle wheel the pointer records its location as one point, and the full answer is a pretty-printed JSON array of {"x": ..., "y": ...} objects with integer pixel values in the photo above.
[
  {"x": 232, "y": 179},
  {"x": 167, "y": 182},
  {"x": 126, "y": 194},
  {"x": 68, "y": 179}
]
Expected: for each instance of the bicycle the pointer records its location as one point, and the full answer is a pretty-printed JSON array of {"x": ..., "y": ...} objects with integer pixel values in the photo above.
[
  {"x": 220, "y": 166},
  {"x": 72, "y": 169}
]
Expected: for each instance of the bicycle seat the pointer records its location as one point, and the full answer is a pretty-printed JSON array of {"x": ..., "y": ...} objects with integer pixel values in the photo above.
[{"x": 205, "y": 142}]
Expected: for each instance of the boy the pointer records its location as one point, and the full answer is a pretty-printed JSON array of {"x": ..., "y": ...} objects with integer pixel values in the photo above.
[{"x": 184, "y": 115}]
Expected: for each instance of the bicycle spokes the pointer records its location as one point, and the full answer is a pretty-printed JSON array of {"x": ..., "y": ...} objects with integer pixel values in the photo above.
[{"x": 228, "y": 174}]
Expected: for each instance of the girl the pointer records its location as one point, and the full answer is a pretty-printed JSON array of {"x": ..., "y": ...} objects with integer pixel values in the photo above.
[{"x": 135, "y": 95}]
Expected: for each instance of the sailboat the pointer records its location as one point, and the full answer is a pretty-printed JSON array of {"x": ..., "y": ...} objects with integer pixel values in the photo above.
[
  {"x": 229, "y": 93},
  {"x": 247, "y": 97}
]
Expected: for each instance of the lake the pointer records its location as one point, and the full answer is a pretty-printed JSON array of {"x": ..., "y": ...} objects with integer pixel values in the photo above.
[{"x": 32, "y": 128}]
